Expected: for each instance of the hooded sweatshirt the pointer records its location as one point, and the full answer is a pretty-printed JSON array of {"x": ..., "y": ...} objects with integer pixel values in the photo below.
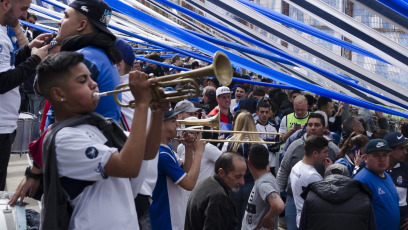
[{"x": 337, "y": 202}]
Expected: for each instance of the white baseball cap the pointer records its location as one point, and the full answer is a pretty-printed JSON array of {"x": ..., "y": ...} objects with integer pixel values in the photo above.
[{"x": 222, "y": 90}]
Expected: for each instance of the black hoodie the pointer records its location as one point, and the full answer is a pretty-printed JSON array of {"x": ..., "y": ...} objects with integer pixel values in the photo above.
[{"x": 337, "y": 202}]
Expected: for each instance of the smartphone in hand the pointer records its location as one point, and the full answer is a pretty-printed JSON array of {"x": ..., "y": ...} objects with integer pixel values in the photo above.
[
  {"x": 355, "y": 150},
  {"x": 298, "y": 126},
  {"x": 46, "y": 42}
]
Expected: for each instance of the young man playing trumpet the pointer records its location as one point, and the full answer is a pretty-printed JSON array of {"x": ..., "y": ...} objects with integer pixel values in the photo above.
[{"x": 168, "y": 209}]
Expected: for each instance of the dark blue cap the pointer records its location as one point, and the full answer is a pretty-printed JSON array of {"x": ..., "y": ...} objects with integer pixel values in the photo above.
[
  {"x": 169, "y": 114},
  {"x": 97, "y": 11},
  {"x": 126, "y": 50},
  {"x": 395, "y": 138}
]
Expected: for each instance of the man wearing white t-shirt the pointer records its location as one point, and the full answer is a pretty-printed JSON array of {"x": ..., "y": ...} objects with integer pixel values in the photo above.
[
  {"x": 304, "y": 173},
  {"x": 15, "y": 69}
]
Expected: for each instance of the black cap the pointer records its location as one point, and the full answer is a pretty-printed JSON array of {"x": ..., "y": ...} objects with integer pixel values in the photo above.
[
  {"x": 169, "y": 114},
  {"x": 97, "y": 11}
]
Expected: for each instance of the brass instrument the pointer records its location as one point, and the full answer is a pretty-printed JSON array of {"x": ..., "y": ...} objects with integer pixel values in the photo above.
[
  {"x": 221, "y": 68},
  {"x": 214, "y": 122},
  {"x": 234, "y": 141}
]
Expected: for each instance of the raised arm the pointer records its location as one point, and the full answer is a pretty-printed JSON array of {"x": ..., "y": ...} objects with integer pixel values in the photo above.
[
  {"x": 154, "y": 132},
  {"x": 127, "y": 163},
  {"x": 189, "y": 181}
]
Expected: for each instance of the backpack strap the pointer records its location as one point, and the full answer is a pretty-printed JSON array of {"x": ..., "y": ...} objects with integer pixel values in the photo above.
[{"x": 56, "y": 209}]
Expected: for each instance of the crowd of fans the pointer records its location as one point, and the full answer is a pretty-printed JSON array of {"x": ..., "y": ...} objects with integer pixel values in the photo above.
[{"x": 314, "y": 166}]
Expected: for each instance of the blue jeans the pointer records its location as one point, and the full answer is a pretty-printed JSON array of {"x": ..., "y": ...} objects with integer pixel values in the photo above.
[
  {"x": 240, "y": 200},
  {"x": 36, "y": 106},
  {"x": 290, "y": 213}
]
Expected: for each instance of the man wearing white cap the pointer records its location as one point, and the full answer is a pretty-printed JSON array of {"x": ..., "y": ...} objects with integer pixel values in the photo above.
[{"x": 223, "y": 95}]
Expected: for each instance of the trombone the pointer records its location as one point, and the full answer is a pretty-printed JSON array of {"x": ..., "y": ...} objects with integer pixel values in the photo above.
[
  {"x": 214, "y": 122},
  {"x": 221, "y": 68}
]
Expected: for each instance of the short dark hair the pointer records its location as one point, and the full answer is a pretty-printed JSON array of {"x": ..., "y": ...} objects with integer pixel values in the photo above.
[
  {"x": 349, "y": 123},
  {"x": 294, "y": 91},
  {"x": 243, "y": 87},
  {"x": 259, "y": 156},
  {"x": 322, "y": 102},
  {"x": 153, "y": 56},
  {"x": 315, "y": 143},
  {"x": 31, "y": 14},
  {"x": 262, "y": 104},
  {"x": 175, "y": 58},
  {"x": 259, "y": 90},
  {"x": 310, "y": 100},
  {"x": 379, "y": 134},
  {"x": 226, "y": 162},
  {"x": 319, "y": 116},
  {"x": 55, "y": 69},
  {"x": 280, "y": 98},
  {"x": 404, "y": 126},
  {"x": 194, "y": 64}
]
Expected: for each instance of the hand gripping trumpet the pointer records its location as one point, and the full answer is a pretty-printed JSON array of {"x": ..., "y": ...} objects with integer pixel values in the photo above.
[{"x": 220, "y": 68}]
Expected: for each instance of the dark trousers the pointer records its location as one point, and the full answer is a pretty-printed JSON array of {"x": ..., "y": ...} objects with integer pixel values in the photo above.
[
  {"x": 240, "y": 200},
  {"x": 6, "y": 140}
]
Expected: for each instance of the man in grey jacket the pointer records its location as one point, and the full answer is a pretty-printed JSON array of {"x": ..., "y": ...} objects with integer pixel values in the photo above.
[{"x": 295, "y": 153}]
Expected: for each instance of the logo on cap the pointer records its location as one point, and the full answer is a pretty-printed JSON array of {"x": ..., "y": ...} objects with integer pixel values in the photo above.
[
  {"x": 106, "y": 17},
  {"x": 380, "y": 144},
  {"x": 84, "y": 8},
  {"x": 399, "y": 138}
]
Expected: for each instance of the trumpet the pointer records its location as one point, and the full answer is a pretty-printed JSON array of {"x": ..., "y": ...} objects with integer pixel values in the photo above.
[
  {"x": 212, "y": 122},
  {"x": 221, "y": 68}
]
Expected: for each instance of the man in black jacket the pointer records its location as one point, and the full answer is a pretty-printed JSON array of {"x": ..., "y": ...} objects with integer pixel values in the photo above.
[
  {"x": 209, "y": 205},
  {"x": 337, "y": 202}
]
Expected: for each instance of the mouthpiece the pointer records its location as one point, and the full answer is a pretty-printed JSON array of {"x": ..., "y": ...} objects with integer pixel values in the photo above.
[{"x": 99, "y": 95}]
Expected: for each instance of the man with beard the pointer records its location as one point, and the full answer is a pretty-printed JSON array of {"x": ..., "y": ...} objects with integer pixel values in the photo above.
[
  {"x": 84, "y": 29},
  {"x": 15, "y": 68},
  {"x": 209, "y": 205},
  {"x": 398, "y": 169}
]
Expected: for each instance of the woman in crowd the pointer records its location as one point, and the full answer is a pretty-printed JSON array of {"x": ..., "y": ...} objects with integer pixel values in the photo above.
[{"x": 352, "y": 153}]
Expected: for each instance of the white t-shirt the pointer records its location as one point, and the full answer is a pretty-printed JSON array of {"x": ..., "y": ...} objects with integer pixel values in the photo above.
[
  {"x": 105, "y": 203},
  {"x": 10, "y": 101},
  {"x": 127, "y": 113},
  {"x": 282, "y": 127},
  {"x": 150, "y": 179},
  {"x": 210, "y": 155},
  {"x": 232, "y": 106},
  {"x": 273, "y": 157},
  {"x": 300, "y": 177}
]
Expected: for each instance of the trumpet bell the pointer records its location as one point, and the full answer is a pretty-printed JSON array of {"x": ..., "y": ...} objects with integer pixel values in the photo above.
[
  {"x": 223, "y": 74},
  {"x": 212, "y": 122}
]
